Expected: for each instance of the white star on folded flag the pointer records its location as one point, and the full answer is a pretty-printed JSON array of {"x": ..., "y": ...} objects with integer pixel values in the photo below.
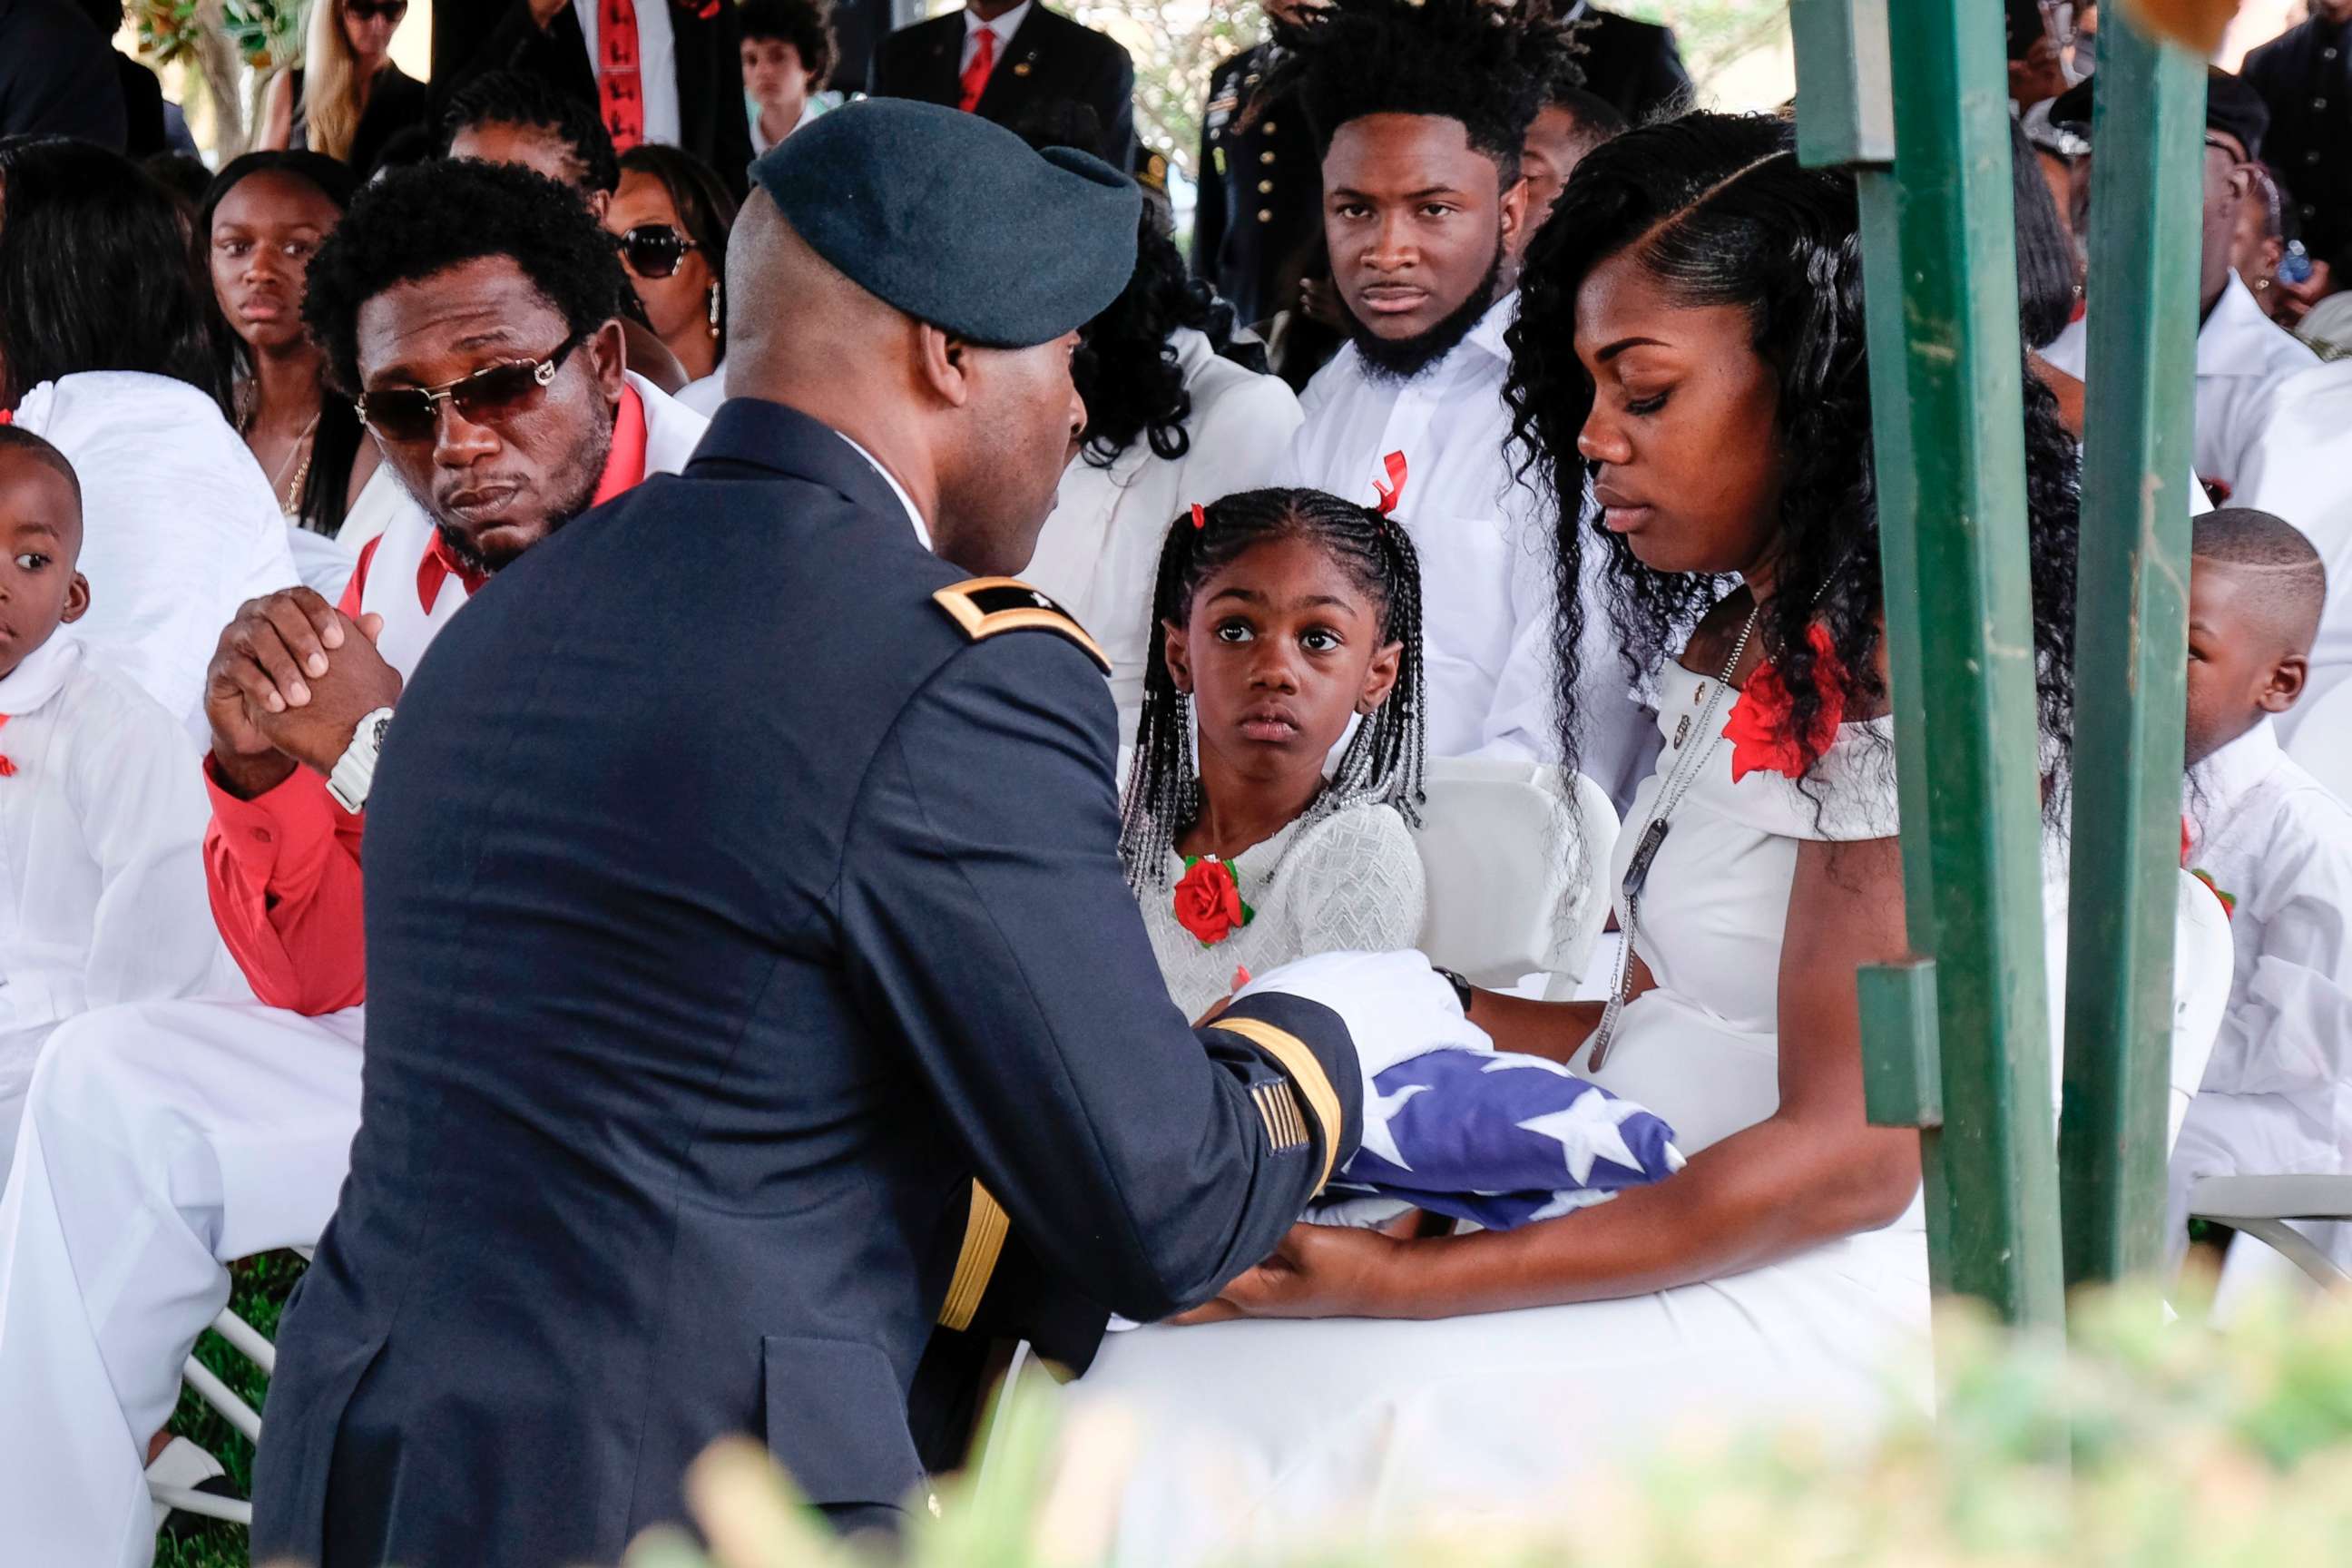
[
  {"x": 1380, "y": 1138},
  {"x": 1586, "y": 1131}
]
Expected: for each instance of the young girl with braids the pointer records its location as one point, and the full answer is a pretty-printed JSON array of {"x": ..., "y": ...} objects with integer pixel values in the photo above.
[{"x": 1283, "y": 615}]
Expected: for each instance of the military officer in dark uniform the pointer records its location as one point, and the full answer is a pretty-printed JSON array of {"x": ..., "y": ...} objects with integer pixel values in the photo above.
[
  {"x": 748, "y": 951},
  {"x": 2304, "y": 77},
  {"x": 1258, "y": 224}
]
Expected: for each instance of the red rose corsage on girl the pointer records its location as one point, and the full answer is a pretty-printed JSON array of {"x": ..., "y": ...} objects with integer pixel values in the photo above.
[
  {"x": 1760, "y": 729},
  {"x": 7, "y": 768},
  {"x": 1209, "y": 900},
  {"x": 2228, "y": 901}
]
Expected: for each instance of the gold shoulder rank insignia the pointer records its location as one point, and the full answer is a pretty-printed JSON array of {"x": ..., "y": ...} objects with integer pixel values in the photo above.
[{"x": 983, "y": 607}]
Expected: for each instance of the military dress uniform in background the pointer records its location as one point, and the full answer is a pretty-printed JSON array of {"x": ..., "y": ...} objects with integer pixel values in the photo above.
[
  {"x": 749, "y": 957},
  {"x": 1259, "y": 220}
]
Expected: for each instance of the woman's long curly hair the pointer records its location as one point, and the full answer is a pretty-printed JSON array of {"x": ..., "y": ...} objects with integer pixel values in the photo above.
[
  {"x": 1127, "y": 369},
  {"x": 1720, "y": 213}
]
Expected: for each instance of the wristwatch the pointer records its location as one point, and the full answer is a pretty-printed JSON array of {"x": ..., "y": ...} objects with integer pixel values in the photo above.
[
  {"x": 1461, "y": 987},
  {"x": 355, "y": 769}
]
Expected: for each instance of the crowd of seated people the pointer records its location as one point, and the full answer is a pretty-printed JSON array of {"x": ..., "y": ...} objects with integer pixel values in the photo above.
[{"x": 1583, "y": 479}]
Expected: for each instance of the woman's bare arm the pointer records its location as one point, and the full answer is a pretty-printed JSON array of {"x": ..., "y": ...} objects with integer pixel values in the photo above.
[{"x": 1812, "y": 1172}]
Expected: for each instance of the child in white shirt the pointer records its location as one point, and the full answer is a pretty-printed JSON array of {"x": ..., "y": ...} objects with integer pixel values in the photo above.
[
  {"x": 101, "y": 807},
  {"x": 2276, "y": 1098}
]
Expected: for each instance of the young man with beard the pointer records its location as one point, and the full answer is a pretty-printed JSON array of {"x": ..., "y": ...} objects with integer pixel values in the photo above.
[
  {"x": 1423, "y": 111},
  {"x": 474, "y": 308}
]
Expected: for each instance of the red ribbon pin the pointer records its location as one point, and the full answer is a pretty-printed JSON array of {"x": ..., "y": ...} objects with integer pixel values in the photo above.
[{"x": 1393, "y": 491}]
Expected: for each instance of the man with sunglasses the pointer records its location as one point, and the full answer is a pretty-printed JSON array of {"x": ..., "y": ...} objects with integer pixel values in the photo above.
[
  {"x": 745, "y": 885},
  {"x": 473, "y": 306}
]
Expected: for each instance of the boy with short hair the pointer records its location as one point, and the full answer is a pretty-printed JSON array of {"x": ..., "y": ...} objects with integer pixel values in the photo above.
[
  {"x": 101, "y": 810},
  {"x": 2277, "y": 846}
]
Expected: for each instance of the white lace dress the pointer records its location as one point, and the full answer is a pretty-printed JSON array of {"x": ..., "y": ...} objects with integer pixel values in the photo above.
[
  {"x": 1253, "y": 1431},
  {"x": 1350, "y": 881}
]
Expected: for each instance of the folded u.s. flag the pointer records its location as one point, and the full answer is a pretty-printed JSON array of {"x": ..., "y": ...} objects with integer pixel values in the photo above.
[
  {"x": 1502, "y": 1140},
  {"x": 1454, "y": 1126}
]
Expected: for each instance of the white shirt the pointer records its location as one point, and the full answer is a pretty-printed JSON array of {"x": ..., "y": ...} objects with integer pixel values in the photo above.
[
  {"x": 1486, "y": 549},
  {"x": 1098, "y": 556},
  {"x": 1004, "y": 27},
  {"x": 810, "y": 109},
  {"x": 2300, "y": 468},
  {"x": 914, "y": 515},
  {"x": 657, "y": 63},
  {"x": 2277, "y": 1094},
  {"x": 101, "y": 879},
  {"x": 179, "y": 525},
  {"x": 2243, "y": 356}
]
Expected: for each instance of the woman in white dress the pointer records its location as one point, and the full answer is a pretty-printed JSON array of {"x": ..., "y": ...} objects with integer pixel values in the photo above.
[
  {"x": 103, "y": 351},
  {"x": 1170, "y": 421},
  {"x": 1689, "y": 345}
]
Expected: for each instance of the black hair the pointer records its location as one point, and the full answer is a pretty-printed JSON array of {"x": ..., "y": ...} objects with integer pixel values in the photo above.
[
  {"x": 1127, "y": 369},
  {"x": 95, "y": 271},
  {"x": 335, "y": 439},
  {"x": 1382, "y": 763},
  {"x": 413, "y": 223},
  {"x": 705, "y": 206},
  {"x": 2045, "y": 253},
  {"x": 2296, "y": 594},
  {"x": 1596, "y": 119},
  {"x": 520, "y": 99},
  {"x": 183, "y": 175},
  {"x": 1720, "y": 211},
  {"x": 806, "y": 24},
  {"x": 1470, "y": 60},
  {"x": 41, "y": 450}
]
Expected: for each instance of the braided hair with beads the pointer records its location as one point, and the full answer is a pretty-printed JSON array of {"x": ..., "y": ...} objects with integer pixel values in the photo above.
[{"x": 1383, "y": 762}]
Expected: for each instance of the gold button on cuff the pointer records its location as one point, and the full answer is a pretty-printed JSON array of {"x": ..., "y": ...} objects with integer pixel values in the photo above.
[{"x": 1265, "y": 214}]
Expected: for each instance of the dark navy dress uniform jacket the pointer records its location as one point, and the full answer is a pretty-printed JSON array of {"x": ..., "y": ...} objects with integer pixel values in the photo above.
[{"x": 730, "y": 906}]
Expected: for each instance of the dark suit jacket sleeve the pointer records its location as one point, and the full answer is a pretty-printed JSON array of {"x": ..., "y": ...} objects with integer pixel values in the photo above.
[
  {"x": 983, "y": 916},
  {"x": 1665, "y": 81},
  {"x": 1114, "y": 103},
  {"x": 1209, "y": 214}
]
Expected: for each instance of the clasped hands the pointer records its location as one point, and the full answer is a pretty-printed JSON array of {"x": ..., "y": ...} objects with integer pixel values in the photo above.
[{"x": 289, "y": 683}]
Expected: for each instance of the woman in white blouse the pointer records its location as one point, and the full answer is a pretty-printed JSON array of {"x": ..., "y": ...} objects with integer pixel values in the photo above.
[
  {"x": 1170, "y": 423},
  {"x": 103, "y": 350}
]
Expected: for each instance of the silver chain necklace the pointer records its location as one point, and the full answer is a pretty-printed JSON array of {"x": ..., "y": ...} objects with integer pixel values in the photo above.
[{"x": 1684, "y": 773}]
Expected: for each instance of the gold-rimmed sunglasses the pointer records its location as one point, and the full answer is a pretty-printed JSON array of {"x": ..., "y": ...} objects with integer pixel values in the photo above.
[{"x": 492, "y": 393}]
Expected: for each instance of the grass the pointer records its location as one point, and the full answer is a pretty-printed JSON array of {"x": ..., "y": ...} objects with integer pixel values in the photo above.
[{"x": 259, "y": 1287}]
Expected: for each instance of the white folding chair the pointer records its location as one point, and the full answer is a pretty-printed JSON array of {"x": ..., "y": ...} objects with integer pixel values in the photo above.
[
  {"x": 2322, "y": 739},
  {"x": 2202, "y": 968},
  {"x": 1515, "y": 857},
  {"x": 248, "y": 1341}
]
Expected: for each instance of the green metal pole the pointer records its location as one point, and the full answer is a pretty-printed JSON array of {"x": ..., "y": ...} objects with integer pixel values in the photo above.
[
  {"x": 2131, "y": 642},
  {"x": 1996, "y": 1235}
]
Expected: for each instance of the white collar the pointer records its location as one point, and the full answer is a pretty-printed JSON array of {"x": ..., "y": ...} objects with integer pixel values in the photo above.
[
  {"x": 2237, "y": 338},
  {"x": 1004, "y": 27},
  {"x": 40, "y": 674},
  {"x": 2240, "y": 765},
  {"x": 913, "y": 516},
  {"x": 1488, "y": 333}
]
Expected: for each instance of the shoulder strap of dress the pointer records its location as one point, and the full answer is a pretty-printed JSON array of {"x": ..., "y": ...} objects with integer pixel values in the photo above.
[{"x": 986, "y": 606}]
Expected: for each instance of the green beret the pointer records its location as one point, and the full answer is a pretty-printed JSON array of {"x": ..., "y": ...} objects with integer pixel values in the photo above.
[{"x": 955, "y": 220}]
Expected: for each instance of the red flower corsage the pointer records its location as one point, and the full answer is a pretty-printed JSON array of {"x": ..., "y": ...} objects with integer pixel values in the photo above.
[
  {"x": 7, "y": 768},
  {"x": 2228, "y": 901},
  {"x": 1759, "y": 729},
  {"x": 1209, "y": 900}
]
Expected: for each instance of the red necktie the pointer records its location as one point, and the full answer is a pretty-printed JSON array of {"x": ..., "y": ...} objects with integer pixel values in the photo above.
[
  {"x": 975, "y": 75},
  {"x": 620, "y": 94}
]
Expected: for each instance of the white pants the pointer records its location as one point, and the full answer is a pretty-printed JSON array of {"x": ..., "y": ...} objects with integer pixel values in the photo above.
[{"x": 160, "y": 1141}]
